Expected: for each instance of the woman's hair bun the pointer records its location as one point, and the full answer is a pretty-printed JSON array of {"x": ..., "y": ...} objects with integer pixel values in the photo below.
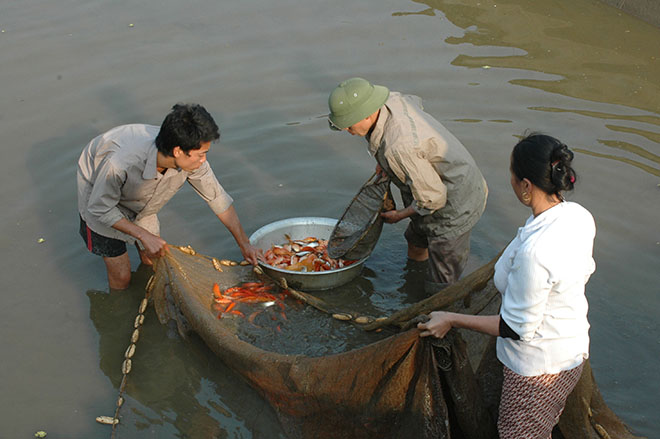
[
  {"x": 562, "y": 174},
  {"x": 545, "y": 161}
]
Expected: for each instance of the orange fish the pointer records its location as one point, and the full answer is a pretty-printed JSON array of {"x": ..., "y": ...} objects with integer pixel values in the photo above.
[
  {"x": 309, "y": 255},
  {"x": 253, "y": 316},
  {"x": 281, "y": 251},
  {"x": 232, "y": 290},
  {"x": 218, "y": 307}
]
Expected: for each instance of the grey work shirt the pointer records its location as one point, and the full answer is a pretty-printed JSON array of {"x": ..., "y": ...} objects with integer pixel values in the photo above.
[
  {"x": 435, "y": 173},
  {"x": 117, "y": 178}
]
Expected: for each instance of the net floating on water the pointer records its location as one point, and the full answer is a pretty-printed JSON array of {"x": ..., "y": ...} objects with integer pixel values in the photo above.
[{"x": 390, "y": 388}]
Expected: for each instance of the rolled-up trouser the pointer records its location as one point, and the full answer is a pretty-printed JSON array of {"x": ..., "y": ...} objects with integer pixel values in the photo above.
[{"x": 447, "y": 257}]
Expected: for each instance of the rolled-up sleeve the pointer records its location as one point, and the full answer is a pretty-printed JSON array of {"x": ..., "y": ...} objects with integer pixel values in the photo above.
[
  {"x": 206, "y": 185},
  {"x": 524, "y": 302},
  {"x": 106, "y": 194},
  {"x": 428, "y": 190}
]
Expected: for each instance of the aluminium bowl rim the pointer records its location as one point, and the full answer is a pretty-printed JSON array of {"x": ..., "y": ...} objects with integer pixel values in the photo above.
[{"x": 302, "y": 220}]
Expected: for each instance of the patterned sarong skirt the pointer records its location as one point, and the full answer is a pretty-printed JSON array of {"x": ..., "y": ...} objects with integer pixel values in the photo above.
[{"x": 530, "y": 406}]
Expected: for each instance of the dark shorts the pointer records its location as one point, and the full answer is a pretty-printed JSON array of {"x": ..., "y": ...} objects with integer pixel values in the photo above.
[{"x": 99, "y": 244}]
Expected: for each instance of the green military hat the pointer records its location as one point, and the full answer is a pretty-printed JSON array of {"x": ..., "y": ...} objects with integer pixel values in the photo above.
[{"x": 353, "y": 100}]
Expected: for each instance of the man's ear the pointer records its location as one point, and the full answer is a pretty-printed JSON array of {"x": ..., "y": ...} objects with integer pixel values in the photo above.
[{"x": 176, "y": 151}]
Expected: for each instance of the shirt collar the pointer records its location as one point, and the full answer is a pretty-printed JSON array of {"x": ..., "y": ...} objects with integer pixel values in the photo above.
[
  {"x": 150, "y": 168},
  {"x": 376, "y": 136},
  {"x": 544, "y": 218}
]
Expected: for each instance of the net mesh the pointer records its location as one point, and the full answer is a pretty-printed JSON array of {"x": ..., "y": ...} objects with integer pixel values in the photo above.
[
  {"x": 359, "y": 227},
  {"x": 387, "y": 384}
]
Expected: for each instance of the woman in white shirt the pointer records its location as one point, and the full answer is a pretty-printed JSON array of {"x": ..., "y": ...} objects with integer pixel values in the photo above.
[{"x": 542, "y": 328}]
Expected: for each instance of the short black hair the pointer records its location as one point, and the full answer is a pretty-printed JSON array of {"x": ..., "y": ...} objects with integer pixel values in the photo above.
[
  {"x": 186, "y": 126},
  {"x": 545, "y": 161}
]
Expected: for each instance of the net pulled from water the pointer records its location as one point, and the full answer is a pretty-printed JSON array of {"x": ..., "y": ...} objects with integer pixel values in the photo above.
[
  {"x": 391, "y": 384},
  {"x": 359, "y": 227}
]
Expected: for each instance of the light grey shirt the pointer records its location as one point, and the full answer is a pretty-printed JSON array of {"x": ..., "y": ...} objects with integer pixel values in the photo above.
[
  {"x": 436, "y": 174},
  {"x": 117, "y": 178}
]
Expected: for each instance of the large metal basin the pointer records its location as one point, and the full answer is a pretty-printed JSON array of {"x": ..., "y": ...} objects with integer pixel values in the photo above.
[{"x": 299, "y": 228}]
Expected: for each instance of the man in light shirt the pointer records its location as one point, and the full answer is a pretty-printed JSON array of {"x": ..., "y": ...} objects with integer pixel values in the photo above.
[
  {"x": 441, "y": 186},
  {"x": 126, "y": 175}
]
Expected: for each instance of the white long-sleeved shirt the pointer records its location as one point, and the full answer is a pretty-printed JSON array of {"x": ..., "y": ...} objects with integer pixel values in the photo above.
[{"x": 542, "y": 275}]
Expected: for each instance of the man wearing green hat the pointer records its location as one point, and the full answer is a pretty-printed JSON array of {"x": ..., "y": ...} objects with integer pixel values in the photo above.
[{"x": 441, "y": 186}]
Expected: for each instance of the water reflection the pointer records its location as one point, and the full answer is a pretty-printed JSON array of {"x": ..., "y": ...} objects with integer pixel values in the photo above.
[
  {"x": 176, "y": 387},
  {"x": 626, "y": 160},
  {"x": 652, "y": 136},
  {"x": 268, "y": 88},
  {"x": 648, "y": 118},
  {"x": 616, "y": 66},
  {"x": 629, "y": 147},
  {"x": 609, "y": 57},
  {"x": 428, "y": 11},
  {"x": 414, "y": 276}
]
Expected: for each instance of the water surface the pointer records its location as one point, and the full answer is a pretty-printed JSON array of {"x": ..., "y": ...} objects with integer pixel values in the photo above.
[{"x": 489, "y": 71}]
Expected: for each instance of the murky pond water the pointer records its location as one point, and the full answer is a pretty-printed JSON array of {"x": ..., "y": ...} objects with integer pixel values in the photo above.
[{"x": 488, "y": 70}]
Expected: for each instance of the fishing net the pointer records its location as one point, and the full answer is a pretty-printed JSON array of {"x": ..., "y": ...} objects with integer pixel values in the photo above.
[
  {"x": 359, "y": 227},
  {"x": 389, "y": 383}
]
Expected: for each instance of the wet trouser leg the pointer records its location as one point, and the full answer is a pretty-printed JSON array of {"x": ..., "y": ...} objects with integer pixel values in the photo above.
[
  {"x": 447, "y": 257},
  {"x": 447, "y": 260}
]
